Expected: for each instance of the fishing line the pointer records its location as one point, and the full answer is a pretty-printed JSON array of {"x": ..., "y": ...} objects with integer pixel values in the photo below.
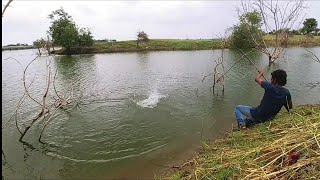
[
  {"x": 251, "y": 62},
  {"x": 233, "y": 66}
]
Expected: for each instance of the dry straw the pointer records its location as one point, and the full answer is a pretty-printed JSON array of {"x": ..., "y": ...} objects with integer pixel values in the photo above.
[{"x": 262, "y": 151}]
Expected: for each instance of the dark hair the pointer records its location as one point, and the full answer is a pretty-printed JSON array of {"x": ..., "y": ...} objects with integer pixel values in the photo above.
[{"x": 279, "y": 76}]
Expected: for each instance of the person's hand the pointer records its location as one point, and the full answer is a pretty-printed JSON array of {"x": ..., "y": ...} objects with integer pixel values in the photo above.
[{"x": 258, "y": 77}]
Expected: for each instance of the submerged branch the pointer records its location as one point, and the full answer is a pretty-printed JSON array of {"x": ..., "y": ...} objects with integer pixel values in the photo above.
[
  {"x": 40, "y": 114},
  {"x": 229, "y": 68},
  {"x": 46, "y": 124}
]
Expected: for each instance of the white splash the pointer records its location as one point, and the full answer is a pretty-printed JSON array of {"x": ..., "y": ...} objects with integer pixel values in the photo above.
[{"x": 152, "y": 100}]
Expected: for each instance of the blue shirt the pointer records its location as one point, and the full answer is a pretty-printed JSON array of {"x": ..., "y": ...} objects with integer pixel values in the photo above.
[{"x": 274, "y": 98}]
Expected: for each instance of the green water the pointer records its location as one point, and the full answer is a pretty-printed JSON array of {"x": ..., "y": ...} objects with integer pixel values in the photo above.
[{"x": 138, "y": 110}]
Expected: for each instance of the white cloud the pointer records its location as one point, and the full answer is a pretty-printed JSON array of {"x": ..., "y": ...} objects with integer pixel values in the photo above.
[{"x": 26, "y": 21}]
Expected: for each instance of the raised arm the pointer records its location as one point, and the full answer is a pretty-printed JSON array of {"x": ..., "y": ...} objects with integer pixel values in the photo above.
[{"x": 258, "y": 77}]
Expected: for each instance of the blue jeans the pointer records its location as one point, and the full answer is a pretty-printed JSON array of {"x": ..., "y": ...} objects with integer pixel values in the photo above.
[{"x": 242, "y": 112}]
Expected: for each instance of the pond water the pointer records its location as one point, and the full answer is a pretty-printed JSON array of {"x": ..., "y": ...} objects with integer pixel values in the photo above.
[{"x": 138, "y": 111}]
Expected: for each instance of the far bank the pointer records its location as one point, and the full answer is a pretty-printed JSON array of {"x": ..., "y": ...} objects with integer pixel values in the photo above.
[{"x": 178, "y": 45}]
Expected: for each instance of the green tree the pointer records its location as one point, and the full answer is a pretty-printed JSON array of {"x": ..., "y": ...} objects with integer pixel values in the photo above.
[
  {"x": 142, "y": 37},
  {"x": 39, "y": 43},
  {"x": 295, "y": 32},
  {"x": 64, "y": 31},
  {"x": 309, "y": 25},
  {"x": 247, "y": 34},
  {"x": 85, "y": 38}
]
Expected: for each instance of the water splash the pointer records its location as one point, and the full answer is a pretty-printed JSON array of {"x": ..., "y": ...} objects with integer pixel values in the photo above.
[{"x": 151, "y": 101}]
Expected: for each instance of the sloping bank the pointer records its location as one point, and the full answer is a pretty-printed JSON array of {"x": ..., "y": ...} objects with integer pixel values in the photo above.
[{"x": 287, "y": 147}]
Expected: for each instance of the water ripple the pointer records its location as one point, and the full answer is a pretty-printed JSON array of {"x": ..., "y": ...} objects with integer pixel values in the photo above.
[{"x": 105, "y": 160}]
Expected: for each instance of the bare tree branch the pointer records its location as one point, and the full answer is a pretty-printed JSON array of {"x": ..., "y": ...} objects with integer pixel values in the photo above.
[
  {"x": 6, "y": 6},
  {"x": 21, "y": 99},
  {"x": 46, "y": 124},
  {"x": 316, "y": 57},
  {"x": 54, "y": 80},
  {"x": 40, "y": 114},
  {"x": 24, "y": 81},
  {"x": 47, "y": 108},
  {"x": 281, "y": 18},
  {"x": 244, "y": 55}
]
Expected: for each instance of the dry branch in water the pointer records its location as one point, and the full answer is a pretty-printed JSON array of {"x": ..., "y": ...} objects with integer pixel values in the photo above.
[
  {"x": 219, "y": 69},
  {"x": 221, "y": 76},
  {"x": 311, "y": 84},
  {"x": 47, "y": 107}
]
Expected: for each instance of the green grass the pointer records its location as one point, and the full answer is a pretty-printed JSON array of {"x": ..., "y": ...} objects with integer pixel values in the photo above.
[
  {"x": 295, "y": 40},
  {"x": 259, "y": 152},
  {"x": 205, "y": 44},
  {"x": 180, "y": 45},
  {"x": 160, "y": 44}
]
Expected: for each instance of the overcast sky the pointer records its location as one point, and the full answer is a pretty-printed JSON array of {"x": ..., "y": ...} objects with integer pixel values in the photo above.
[{"x": 26, "y": 21}]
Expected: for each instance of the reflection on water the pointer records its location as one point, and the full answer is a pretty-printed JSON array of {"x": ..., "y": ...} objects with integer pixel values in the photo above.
[
  {"x": 143, "y": 57},
  {"x": 137, "y": 109},
  {"x": 80, "y": 71}
]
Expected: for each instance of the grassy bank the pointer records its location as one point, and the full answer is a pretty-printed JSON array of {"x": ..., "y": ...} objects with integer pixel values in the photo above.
[
  {"x": 296, "y": 40},
  {"x": 9, "y": 48},
  {"x": 262, "y": 151},
  {"x": 179, "y": 45},
  {"x": 151, "y": 45}
]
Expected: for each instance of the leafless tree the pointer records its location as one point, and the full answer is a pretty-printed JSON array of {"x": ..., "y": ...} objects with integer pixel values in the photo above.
[
  {"x": 277, "y": 17},
  {"x": 218, "y": 70},
  {"x": 47, "y": 103},
  {"x": 47, "y": 106}
]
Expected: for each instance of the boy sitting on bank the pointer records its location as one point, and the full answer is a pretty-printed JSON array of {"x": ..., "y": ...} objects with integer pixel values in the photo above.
[{"x": 275, "y": 96}]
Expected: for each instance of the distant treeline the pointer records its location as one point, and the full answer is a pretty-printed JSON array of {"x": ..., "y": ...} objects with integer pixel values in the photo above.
[
  {"x": 297, "y": 32},
  {"x": 18, "y": 44},
  {"x": 105, "y": 40}
]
